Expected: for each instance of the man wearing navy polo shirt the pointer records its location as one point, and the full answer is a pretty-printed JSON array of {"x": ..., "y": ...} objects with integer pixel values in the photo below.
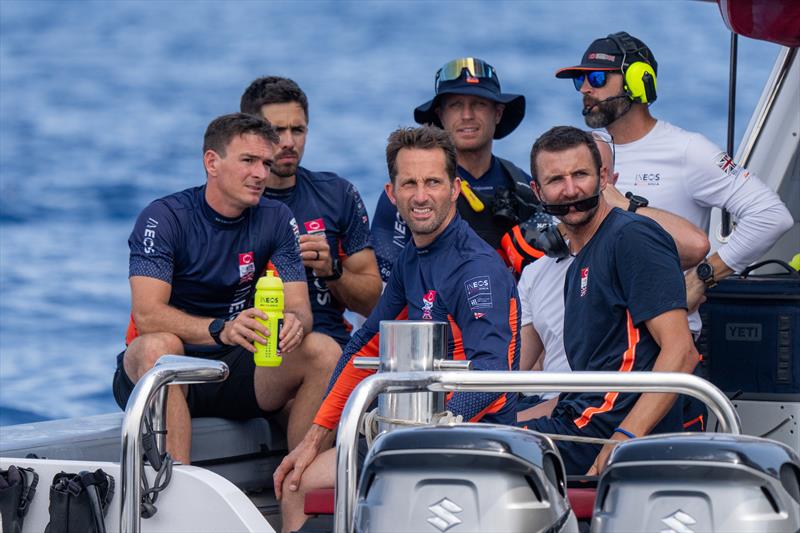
[
  {"x": 335, "y": 242},
  {"x": 625, "y": 301},
  {"x": 195, "y": 257}
]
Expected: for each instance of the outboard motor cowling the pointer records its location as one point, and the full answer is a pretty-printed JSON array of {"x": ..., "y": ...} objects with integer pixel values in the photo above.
[
  {"x": 699, "y": 482},
  {"x": 464, "y": 477}
]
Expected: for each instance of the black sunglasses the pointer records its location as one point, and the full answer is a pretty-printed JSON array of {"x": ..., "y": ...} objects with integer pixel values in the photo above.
[
  {"x": 559, "y": 210},
  {"x": 597, "y": 79}
]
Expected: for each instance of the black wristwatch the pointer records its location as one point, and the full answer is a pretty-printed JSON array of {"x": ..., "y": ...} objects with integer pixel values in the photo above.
[
  {"x": 336, "y": 266},
  {"x": 215, "y": 330},
  {"x": 705, "y": 272},
  {"x": 636, "y": 201}
]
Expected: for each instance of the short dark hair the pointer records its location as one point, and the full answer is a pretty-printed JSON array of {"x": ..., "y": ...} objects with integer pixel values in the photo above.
[
  {"x": 560, "y": 138},
  {"x": 272, "y": 90},
  {"x": 422, "y": 138},
  {"x": 223, "y": 129}
]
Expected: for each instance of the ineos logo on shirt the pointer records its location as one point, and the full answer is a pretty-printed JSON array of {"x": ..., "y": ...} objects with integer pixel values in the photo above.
[
  {"x": 648, "y": 178},
  {"x": 149, "y": 235},
  {"x": 323, "y": 292}
]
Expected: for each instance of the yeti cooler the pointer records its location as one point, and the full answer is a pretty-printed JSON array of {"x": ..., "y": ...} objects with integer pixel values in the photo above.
[{"x": 750, "y": 340}]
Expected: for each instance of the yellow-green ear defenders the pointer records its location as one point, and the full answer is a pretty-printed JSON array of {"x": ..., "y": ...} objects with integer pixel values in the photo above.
[{"x": 640, "y": 76}]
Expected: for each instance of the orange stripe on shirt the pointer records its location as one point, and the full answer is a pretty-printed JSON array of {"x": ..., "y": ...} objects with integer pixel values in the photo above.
[
  {"x": 331, "y": 409},
  {"x": 493, "y": 407},
  {"x": 512, "y": 325},
  {"x": 628, "y": 358},
  {"x": 458, "y": 348}
]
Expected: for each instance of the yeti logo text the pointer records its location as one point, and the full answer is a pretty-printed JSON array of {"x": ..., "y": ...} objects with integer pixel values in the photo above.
[
  {"x": 149, "y": 235},
  {"x": 444, "y": 518},
  {"x": 678, "y": 522}
]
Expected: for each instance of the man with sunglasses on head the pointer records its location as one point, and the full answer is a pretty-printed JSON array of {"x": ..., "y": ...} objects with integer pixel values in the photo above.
[
  {"x": 670, "y": 168},
  {"x": 624, "y": 300},
  {"x": 469, "y": 104}
]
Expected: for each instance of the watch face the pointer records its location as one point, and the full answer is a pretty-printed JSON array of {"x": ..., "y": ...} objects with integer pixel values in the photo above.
[
  {"x": 216, "y": 326},
  {"x": 704, "y": 271},
  {"x": 641, "y": 200}
]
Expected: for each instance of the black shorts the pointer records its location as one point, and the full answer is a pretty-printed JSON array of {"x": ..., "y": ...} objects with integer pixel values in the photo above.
[{"x": 233, "y": 398}]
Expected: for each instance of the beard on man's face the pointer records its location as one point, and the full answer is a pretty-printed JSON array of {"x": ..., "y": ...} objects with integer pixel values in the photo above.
[
  {"x": 602, "y": 113},
  {"x": 285, "y": 170}
]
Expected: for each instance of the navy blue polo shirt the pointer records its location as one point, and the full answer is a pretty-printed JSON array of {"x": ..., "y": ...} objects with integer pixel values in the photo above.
[
  {"x": 213, "y": 262},
  {"x": 628, "y": 273},
  {"x": 324, "y": 203}
]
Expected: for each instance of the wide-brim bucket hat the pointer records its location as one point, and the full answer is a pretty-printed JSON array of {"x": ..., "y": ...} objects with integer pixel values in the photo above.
[{"x": 483, "y": 87}]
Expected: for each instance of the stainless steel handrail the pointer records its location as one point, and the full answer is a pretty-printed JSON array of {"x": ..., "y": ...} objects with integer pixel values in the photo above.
[
  {"x": 170, "y": 369},
  {"x": 785, "y": 58},
  {"x": 488, "y": 381},
  {"x": 374, "y": 363}
]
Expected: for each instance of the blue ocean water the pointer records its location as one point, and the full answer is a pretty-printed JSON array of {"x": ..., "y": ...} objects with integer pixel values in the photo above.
[{"x": 103, "y": 106}]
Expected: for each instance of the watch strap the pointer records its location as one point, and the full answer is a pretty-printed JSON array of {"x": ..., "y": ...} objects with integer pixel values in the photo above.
[
  {"x": 215, "y": 330},
  {"x": 635, "y": 202},
  {"x": 336, "y": 266}
]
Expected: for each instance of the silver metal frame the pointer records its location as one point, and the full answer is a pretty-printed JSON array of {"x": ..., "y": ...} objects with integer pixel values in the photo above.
[
  {"x": 493, "y": 381},
  {"x": 785, "y": 58},
  {"x": 150, "y": 395}
]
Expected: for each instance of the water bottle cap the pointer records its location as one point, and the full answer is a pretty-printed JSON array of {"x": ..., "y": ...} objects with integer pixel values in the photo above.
[{"x": 269, "y": 281}]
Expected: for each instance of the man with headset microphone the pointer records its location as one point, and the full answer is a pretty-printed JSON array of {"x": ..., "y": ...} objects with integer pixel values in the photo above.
[
  {"x": 495, "y": 194},
  {"x": 664, "y": 166}
]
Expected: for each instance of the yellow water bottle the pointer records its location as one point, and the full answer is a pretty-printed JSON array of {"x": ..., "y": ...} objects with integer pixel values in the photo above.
[{"x": 269, "y": 298}]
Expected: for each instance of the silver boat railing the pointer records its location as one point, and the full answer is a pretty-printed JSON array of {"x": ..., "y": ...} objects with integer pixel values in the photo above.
[
  {"x": 150, "y": 395},
  {"x": 496, "y": 381}
]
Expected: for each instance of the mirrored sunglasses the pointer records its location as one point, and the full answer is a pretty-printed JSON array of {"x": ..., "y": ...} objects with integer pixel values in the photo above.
[
  {"x": 597, "y": 79},
  {"x": 476, "y": 68}
]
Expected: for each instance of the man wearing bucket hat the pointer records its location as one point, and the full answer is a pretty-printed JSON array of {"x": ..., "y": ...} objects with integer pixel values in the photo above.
[
  {"x": 496, "y": 196},
  {"x": 673, "y": 169}
]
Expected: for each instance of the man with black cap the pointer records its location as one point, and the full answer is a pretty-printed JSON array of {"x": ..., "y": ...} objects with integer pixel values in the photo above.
[
  {"x": 673, "y": 169},
  {"x": 496, "y": 195}
]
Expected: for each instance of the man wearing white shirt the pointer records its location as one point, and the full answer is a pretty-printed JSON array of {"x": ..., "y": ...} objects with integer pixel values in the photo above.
[{"x": 673, "y": 169}]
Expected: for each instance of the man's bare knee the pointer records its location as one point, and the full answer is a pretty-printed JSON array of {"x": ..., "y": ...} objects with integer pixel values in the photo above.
[
  {"x": 145, "y": 350},
  {"x": 322, "y": 352}
]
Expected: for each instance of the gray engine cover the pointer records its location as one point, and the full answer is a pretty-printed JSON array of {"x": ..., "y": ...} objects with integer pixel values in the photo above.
[
  {"x": 468, "y": 477},
  {"x": 699, "y": 482}
]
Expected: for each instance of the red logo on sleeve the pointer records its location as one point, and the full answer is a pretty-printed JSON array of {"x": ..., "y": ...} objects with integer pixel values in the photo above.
[
  {"x": 584, "y": 281},
  {"x": 247, "y": 268},
  {"x": 314, "y": 227}
]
